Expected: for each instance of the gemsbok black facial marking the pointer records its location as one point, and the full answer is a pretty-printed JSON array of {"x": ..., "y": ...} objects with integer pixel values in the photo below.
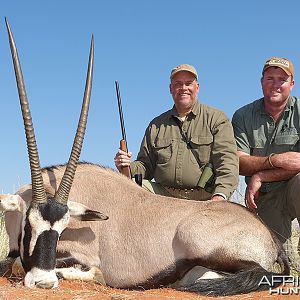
[{"x": 43, "y": 225}]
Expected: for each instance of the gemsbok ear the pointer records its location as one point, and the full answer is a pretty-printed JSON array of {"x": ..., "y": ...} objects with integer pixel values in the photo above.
[
  {"x": 9, "y": 202},
  {"x": 83, "y": 213}
]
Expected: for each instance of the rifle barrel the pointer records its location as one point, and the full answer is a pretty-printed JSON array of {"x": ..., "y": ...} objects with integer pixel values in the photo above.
[
  {"x": 121, "y": 112},
  {"x": 123, "y": 143}
]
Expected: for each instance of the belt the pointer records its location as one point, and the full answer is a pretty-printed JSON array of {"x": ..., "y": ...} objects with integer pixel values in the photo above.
[{"x": 196, "y": 193}]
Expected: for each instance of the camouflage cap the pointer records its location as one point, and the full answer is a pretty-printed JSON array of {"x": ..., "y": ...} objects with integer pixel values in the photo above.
[
  {"x": 283, "y": 63},
  {"x": 184, "y": 67}
]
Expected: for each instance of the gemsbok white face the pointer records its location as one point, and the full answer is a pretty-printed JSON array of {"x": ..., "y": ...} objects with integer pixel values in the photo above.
[
  {"x": 43, "y": 225},
  {"x": 46, "y": 217}
]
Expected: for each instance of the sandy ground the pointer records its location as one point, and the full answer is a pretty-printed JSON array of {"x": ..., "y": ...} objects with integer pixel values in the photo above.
[{"x": 77, "y": 290}]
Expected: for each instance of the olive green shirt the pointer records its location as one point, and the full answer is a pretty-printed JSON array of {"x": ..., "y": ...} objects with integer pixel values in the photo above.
[
  {"x": 257, "y": 134},
  {"x": 166, "y": 156}
]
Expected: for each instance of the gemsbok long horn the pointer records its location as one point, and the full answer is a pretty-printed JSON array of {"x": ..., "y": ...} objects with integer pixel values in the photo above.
[
  {"x": 38, "y": 190},
  {"x": 65, "y": 185}
]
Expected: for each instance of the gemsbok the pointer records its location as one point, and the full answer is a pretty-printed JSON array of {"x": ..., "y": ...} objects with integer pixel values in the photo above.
[{"x": 149, "y": 241}]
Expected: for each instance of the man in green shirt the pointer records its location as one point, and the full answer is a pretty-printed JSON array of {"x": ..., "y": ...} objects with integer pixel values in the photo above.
[
  {"x": 179, "y": 143},
  {"x": 267, "y": 136}
]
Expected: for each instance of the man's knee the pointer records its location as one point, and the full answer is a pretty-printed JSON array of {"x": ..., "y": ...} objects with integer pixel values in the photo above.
[{"x": 273, "y": 212}]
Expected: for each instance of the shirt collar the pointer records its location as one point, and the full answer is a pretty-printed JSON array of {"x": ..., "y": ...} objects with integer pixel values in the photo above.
[
  {"x": 290, "y": 103},
  {"x": 195, "y": 110},
  {"x": 261, "y": 108}
]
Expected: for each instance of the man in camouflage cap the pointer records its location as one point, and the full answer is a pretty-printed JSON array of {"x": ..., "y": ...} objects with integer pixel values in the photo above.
[
  {"x": 267, "y": 136},
  {"x": 184, "y": 144}
]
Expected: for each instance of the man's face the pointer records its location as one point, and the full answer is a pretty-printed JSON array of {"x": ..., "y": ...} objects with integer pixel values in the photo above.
[
  {"x": 276, "y": 86},
  {"x": 184, "y": 89}
]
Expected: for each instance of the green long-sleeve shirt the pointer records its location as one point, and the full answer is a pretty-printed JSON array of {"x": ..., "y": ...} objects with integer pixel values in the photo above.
[{"x": 167, "y": 157}]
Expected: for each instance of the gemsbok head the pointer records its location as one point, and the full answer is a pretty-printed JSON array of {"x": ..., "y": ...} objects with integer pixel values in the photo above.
[{"x": 47, "y": 215}]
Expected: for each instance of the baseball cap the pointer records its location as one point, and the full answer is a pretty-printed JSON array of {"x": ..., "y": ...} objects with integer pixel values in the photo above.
[
  {"x": 184, "y": 67},
  {"x": 283, "y": 63}
]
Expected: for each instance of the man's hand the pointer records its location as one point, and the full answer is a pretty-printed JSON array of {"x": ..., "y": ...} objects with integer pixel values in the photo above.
[
  {"x": 217, "y": 198},
  {"x": 122, "y": 159},
  {"x": 252, "y": 191}
]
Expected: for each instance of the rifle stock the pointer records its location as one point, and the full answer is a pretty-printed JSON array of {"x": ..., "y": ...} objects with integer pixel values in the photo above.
[
  {"x": 123, "y": 144},
  {"x": 126, "y": 169}
]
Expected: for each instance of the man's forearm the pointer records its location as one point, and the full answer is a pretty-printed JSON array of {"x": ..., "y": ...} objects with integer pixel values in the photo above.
[
  {"x": 250, "y": 165},
  {"x": 288, "y": 161},
  {"x": 275, "y": 167},
  {"x": 275, "y": 175}
]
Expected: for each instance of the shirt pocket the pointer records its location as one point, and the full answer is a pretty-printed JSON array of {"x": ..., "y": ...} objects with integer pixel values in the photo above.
[
  {"x": 285, "y": 142},
  {"x": 258, "y": 149},
  {"x": 163, "y": 150},
  {"x": 201, "y": 146}
]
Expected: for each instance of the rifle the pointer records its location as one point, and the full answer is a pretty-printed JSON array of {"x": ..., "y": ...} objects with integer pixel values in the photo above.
[{"x": 123, "y": 142}]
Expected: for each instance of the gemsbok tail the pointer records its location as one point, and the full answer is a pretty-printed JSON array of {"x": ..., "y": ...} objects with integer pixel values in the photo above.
[{"x": 242, "y": 282}]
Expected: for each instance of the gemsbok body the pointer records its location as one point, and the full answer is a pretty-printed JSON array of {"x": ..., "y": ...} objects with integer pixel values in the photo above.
[
  {"x": 152, "y": 241},
  {"x": 148, "y": 241}
]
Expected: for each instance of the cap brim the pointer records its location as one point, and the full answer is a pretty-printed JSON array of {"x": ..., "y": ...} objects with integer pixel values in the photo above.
[
  {"x": 286, "y": 71},
  {"x": 186, "y": 70}
]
